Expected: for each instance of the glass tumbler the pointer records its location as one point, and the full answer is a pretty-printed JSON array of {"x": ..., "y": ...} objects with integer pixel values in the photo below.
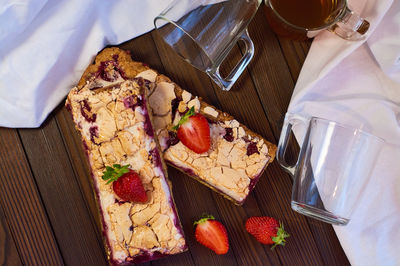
[
  {"x": 204, "y": 31},
  {"x": 333, "y": 167}
]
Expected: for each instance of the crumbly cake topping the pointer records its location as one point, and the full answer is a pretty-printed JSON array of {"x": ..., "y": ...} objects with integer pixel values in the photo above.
[
  {"x": 115, "y": 128},
  {"x": 235, "y": 158},
  {"x": 226, "y": 166},
  {"x": 239, "y": 152}
]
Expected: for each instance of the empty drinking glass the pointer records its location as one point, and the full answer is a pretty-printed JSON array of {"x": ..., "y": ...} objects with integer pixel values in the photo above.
[
  {"x": 333, "y": 167},
  {"x": 204, "y": 31}
]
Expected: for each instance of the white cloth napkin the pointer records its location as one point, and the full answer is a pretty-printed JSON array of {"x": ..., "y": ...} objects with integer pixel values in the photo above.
[
  {"x": 358, "y": 84},
  {"x": 45, "y": 45}
]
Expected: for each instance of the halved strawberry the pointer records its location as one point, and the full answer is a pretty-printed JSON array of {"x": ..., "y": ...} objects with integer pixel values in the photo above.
[
  {"x": 266, "y": 230},
  {"x": 212, "y": 234},
  {"x": 126, "y": 183},
  {"x": 194, "y": 132}
]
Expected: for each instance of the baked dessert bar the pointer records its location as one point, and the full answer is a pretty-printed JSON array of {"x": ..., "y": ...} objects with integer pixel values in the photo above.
[
  {"x": 115, "y": 126},
  {"x": 237, "y": 156}
]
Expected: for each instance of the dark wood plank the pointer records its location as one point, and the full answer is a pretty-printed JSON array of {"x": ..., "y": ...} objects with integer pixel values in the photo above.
[
  {"x": 274, "y": 62},
  {"x": 273, "y": 195},
  {"x": 50, "y": 178},
  {"x": 270, "y": 72},
  {"x": 8, "y": 253},
  {"x": 199, "y": 84},
  {"x": 295, "y": 53},
  {"x": 247, "y": 250},
  {"x": 242, "y": 101},
  {"x": 76, "y": 231},
  {"x": 244, "y": 104},
  {"x": 177, "y": 259},
  {"x": 174, "y": 62},
  {"x": 22, "y": 205},
  {"x": 192, "y": 199},
  {"x": 143, "y": 49},
  {"x": 79, "y": 162}
]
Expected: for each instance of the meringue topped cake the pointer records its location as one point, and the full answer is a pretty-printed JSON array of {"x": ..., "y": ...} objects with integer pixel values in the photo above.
[
  {"x": 235, "y": 157},
  {"x": 138, "y": 214},
  {"x": 131, "y": 119}
]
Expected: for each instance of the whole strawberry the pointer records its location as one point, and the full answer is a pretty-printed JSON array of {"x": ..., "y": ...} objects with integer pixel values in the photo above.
[
  {"x": 212, "y": 234},
  {"x": 266, "y": 230},
  {"x": 126, "y": 183},
  {"x": 193, "y": 131}
]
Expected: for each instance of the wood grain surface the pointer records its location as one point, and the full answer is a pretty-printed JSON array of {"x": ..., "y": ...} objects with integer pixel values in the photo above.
[{"x": 48, "y": 213}]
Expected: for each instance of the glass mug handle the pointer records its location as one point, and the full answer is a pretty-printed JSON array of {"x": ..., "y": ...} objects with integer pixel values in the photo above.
[
  {"x": 290, "y": 121},
  {"x": 227, "y": 83},
  {"x": 350, "y": 26}
]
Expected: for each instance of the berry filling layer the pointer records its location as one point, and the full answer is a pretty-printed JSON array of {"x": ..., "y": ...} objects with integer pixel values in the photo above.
[
  {"x": 122, "y": 134},
  {"x": 231, "y": 164}
]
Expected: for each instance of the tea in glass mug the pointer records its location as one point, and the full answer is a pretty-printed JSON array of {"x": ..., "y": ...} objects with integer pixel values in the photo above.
[{"x": 302, "y": 19}]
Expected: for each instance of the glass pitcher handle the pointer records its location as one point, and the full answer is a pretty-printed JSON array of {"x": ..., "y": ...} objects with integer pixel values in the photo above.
[
  {"x": 351, "y": 26},
  {"x": 227, "y": 83},
  {"x": 290, "y": 121}
]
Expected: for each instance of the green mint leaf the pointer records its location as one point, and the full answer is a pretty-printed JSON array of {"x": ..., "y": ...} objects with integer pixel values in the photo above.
[
  {"x": 113, "y": 173},
  {"x": 184, "y": 118}
]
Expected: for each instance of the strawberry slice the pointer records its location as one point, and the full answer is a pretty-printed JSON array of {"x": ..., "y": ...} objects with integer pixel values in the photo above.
[
  {"x": 126, "y": 183},
  {"x": 212, "y": 234},
  {"x": 266, "y": 230},
  {"x": 194, "y": 132}
]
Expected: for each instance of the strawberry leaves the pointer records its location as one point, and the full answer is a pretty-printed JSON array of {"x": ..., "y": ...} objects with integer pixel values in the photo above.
[
  {"x": 126, "y": 183},
  {"x": 204, "y": 218},
  {"x": 267, "y": 230},
  {"x": 113, "y": 173},
  {"x": 185, "y": 118},
  {"x": 281, "y": 234},
  {"x": 193, "y": 131}
]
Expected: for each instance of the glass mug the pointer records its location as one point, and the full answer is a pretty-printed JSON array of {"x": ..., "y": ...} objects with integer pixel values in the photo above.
[
  {"x": 204, "y": 31},
  {"x": 333, "y": 167},
  {"x": 302, "y": 19}
]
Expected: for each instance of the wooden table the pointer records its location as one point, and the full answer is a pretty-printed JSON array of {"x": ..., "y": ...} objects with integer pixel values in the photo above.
[{"x": 48, "y": 214}]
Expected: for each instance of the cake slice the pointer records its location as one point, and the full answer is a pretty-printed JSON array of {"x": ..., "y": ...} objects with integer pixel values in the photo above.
[
  {"x": 115, "y": 126},
  {"x": 237, "y": 156}
]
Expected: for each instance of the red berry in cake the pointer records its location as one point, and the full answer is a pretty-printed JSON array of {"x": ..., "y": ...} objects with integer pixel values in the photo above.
[
  {"x": 252, "y": 148},
  {"x": 126, "y": 183},
  {"x": 228, "y": 134},
  {"x": 266, "y": 230},
  {"x": 194, "y": 132},
  {"x": 212, "y": 234},
  {"x": 86, "y": 112}
]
